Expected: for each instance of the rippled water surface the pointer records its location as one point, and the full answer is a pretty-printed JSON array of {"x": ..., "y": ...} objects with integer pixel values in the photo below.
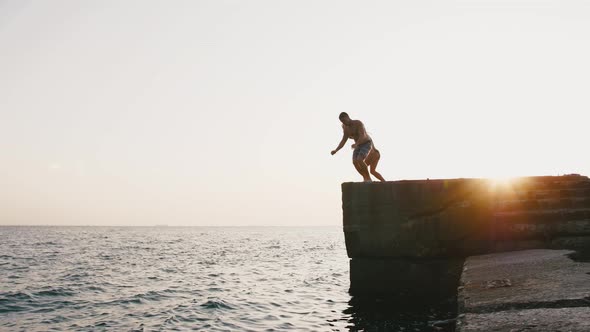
[{"x": 168, "y": 278}]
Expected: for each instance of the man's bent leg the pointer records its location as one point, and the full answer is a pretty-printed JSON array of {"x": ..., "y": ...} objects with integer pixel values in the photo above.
[
  {"x": 359, "y": 155},
  {"x": 373, "y": 168},
  {"x": 377, "y": 175},
  {"x": 361, "y": 167}
]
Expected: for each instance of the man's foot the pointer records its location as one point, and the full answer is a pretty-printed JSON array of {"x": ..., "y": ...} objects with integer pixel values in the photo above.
[{"x": 368, "y": 180}]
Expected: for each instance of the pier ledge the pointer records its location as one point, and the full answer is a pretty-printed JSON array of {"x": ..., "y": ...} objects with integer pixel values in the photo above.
[{"x": 413, "y": 235}]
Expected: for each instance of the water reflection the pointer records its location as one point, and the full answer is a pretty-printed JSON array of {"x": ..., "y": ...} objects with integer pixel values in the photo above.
[{"x": 401, "y": 313}]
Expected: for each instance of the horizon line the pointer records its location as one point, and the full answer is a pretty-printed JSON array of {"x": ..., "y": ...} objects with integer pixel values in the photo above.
[{"x": 163, "y": 225}]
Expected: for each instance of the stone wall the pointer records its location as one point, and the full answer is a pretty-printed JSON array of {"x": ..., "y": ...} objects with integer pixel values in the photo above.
[{"x": 437, "y": 220}]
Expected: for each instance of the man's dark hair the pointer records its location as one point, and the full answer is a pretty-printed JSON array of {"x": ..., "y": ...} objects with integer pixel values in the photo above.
[{"x": 342, "y": 115}]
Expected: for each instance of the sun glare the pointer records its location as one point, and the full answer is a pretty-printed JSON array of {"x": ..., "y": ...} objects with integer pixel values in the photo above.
[
  {"x": 502, "y": 183},
  {"x": 503, "y": 180}
]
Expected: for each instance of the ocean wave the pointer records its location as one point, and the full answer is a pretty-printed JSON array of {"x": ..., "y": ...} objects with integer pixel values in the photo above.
[
  {"x": 117, "y": 302},
  {"x": 7, "y": 308},
  {"x": 54, "y": 292},
  {"x": 217, "y": 304},
  {"x": 47, "y": 243},
  {"x": 154, "y": 295},
  {"x": 11, "y": 296},
  {"x": 76, "y": 276}
]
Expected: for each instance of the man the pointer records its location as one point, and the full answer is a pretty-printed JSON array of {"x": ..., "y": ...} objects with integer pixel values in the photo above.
[{"x": 364, "y": 153}]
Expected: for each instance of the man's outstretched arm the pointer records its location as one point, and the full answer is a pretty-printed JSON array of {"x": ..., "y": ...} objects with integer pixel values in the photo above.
[{"x": 342, "y": 142}]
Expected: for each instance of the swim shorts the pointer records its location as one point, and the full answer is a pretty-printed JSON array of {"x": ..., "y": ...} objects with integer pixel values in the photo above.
[{"x": 362, "y": 151}]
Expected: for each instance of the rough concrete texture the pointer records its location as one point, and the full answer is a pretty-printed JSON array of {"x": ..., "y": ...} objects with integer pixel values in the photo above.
[
  {"x": 415, "y": 218},
  {"x": 530, "y": 290},
  {"x": 463, "y": 217},
  {"x": 399, "y": 234},
  {"x": 531, "y": 320}
]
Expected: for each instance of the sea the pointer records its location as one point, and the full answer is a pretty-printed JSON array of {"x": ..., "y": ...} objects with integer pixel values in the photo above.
[{"x": 191, "y": 279}]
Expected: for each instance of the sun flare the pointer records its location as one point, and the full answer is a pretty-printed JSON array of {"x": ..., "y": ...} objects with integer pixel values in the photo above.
[{"x": 502, "y": 183}]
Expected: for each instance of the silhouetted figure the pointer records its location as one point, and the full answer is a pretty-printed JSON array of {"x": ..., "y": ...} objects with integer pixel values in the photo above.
[{"x": 364, "y": 153}]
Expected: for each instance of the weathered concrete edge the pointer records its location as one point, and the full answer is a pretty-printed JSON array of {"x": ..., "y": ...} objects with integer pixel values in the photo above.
[
  {"x": 539, "y": 320},
  {"x": 570, "y": 313}
]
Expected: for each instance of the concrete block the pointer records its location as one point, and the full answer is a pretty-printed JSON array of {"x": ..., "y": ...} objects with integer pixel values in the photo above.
[
  {"x": 432, "y": 278},
  {"x": 571, "y": 242},
  {"x": 533, "y": 279},
  {"x": 538, "y": 320}
]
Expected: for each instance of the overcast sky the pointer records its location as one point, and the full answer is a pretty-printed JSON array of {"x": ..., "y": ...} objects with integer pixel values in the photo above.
[{"x": 225, "y": 112}]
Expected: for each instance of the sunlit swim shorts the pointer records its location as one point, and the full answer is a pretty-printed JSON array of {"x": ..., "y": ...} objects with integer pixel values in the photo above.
[{"x": 362, "y": 151}]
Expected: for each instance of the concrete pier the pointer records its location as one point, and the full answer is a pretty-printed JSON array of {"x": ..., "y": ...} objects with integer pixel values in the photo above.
[
  {"x": 406, "y": 236},
  {"x": 529, "y": 290}
]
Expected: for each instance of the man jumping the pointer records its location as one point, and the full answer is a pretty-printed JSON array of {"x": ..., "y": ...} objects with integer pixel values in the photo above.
[{"x": 364, "y": 153}]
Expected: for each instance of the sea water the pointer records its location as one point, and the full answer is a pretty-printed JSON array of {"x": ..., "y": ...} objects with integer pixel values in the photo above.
[{"x": 189, "y": 278}]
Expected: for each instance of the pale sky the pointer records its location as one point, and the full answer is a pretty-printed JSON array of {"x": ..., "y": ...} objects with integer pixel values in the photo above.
[{"x": 225, "y": 112}]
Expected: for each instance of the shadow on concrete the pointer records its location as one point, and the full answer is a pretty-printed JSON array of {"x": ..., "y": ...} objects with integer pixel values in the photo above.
[{"x": 582, "y": 256}]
